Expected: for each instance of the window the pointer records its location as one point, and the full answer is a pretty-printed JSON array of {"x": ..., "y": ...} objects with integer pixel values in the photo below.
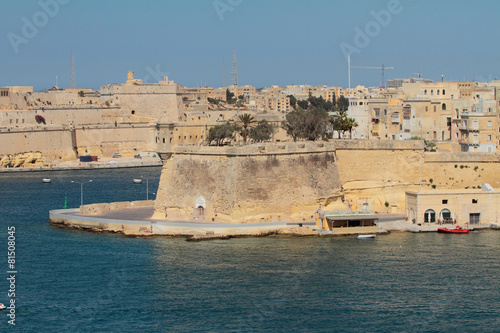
[
  {"x": 489, "y": 137},
  {"x": 444, "y": 201},
  {"x": 429, "y": 216},
  {"x": 435, "y": 108},
  {"x": 438, "y": 91},
  {"x": 443, "y": 107},
  {"x": 426, "y": 108},
  {"x": 474, "y": 201},
  {"x": 489, "y": 123},
  {"x": 432, "y": 92},
  {"x": 444, "y": 93},
  {"x": 474, "y": 218}
]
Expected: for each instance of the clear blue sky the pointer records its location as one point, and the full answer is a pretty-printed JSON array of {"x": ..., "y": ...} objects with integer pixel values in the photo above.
[{"x": 277, "y": 41}]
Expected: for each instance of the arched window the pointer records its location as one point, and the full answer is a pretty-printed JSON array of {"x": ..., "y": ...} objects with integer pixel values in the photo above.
[
  {"x": 444, "y": 92},
  {"x": 445, "y": 215},
  {"x": 425, "y": 92},
  {"x": 438, "y": 91},
  {"x": 432, "y": 92},
  {"x": 443, "y": 106},
  {"x": 429, "y": 216}
]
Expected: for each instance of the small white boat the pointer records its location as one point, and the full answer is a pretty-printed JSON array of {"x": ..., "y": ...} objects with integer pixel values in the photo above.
[
  {"x": 137, "y": 181},
  {"x": 46, "y": 180},
  {"x": 367, "y": 236},
  {"x": 2, "y": 307}
]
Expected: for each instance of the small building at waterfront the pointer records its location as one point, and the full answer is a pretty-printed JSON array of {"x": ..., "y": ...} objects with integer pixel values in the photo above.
[
  {"x": 473, "y": 206},
  {"x": 345, "y": 219}
]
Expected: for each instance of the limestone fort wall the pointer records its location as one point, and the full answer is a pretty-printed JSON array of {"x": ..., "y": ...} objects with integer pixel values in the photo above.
[{"x": 290, "y": 181}]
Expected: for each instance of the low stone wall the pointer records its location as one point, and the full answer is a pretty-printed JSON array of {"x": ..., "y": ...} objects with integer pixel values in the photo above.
[
  {"x": 97, "y": 209},
  {"x": 301, "y": 147}
]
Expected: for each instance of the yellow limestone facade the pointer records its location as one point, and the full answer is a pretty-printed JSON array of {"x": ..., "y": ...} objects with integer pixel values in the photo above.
[{"x": 289, "y": 182}]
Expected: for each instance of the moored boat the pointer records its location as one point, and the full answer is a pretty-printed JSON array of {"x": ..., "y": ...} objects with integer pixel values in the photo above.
[
  {"x": 367, "y": 236},
  {"x": 46, "y": 180},
  {"x": 457, "y": 230},
  {"x": 137, "y": 181},
  {"x": 2, "y": 307}
]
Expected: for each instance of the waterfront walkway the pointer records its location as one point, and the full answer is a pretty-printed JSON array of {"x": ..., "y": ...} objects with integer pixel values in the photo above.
[
  {"x": 104, "y": 163},
  {"x": 138, "y": 221}
]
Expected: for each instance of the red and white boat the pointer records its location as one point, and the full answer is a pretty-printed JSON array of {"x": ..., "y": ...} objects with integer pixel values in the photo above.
[
  {"x": 457, "y": 230},
  {"x": 2, "y": 307}
]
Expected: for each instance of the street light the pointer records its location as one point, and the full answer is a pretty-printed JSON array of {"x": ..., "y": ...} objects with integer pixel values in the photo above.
[
  {"x": 147, "y": 187},
  {"x": 81, "y": 192}
]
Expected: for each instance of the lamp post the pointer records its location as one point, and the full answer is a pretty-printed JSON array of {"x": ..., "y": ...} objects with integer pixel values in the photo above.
[
  {"x": 147, "y": 187},
  {"x": 81, "y": 192}
]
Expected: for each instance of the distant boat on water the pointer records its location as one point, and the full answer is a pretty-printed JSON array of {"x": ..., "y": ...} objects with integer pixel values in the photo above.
[
  {"x": 137, "y": 181},
  {"x": 367, "y": 236},
  {"x": 2, "y": 307},
  {"x": 46, "y": 180}
]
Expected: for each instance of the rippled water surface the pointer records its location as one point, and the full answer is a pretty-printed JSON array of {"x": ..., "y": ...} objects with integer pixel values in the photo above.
[{"x": 73, "y": 281}]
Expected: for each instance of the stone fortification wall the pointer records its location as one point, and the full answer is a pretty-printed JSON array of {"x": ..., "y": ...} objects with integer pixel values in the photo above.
[
  {"x": 248, "y": 184},
  {"x": 460, "y": 170},
  {"x": 269, "y": 182},
  {"x": 55, "y": 142},
  {"x": 149, "y": 100},
  {"x": 53, "y": 116},
  {"x": 51, "y": 98}
]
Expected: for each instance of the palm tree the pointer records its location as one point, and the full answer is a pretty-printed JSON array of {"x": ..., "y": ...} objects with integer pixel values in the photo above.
[
  {"x": 245, "y": 121},
  {"x": 350, "y": 124}
]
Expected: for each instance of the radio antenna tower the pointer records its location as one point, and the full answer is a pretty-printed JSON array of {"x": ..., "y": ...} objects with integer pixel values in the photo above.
[
  {"x": 72, "y": 75},
  {"x": 223, "y": 73},
  {"x": 234, "y": 71}
]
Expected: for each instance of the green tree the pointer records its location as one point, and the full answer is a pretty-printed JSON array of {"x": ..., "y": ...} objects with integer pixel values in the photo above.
[
  {"x": 319, "y": 102},
  {"x": 293, "y": 101},
  {"x": 245, "y": 122},
  {"x": 303, "y": 104},
  {"x": 293, "y": 123},
  {"x": 343, "y": 103},
  {"x": 306, "y": 124},
  {"x": 262, "y": 132},
  {"x": 219, "y": 133},
  {"x": 350, "y": 124},
  {"x": 337, "y": 122},
  {"x": 316, "y": 124},
  {"x": 215, "y": 101},
  {"x": 230, "y": 97}
]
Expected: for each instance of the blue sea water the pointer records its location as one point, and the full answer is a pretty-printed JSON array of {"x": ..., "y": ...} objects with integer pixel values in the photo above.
[{"x": 75, "y": 281}]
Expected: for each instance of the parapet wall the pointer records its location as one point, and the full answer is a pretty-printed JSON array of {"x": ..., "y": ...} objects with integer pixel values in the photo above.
[{"x": 99, "y": 208}]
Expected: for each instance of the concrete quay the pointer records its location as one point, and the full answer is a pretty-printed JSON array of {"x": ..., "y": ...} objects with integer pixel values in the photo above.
[
  {"x": 136, "y": 220},
  {"x": 104, "y": 163}
]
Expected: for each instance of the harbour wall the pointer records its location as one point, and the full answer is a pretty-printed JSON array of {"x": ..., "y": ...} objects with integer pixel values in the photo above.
[{"x": 291, "y": 181}]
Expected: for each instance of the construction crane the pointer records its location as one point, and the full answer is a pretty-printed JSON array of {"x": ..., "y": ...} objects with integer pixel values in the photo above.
[
  {"x": 419, "y": 74},
  {"x": 383, "y": 68}
]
